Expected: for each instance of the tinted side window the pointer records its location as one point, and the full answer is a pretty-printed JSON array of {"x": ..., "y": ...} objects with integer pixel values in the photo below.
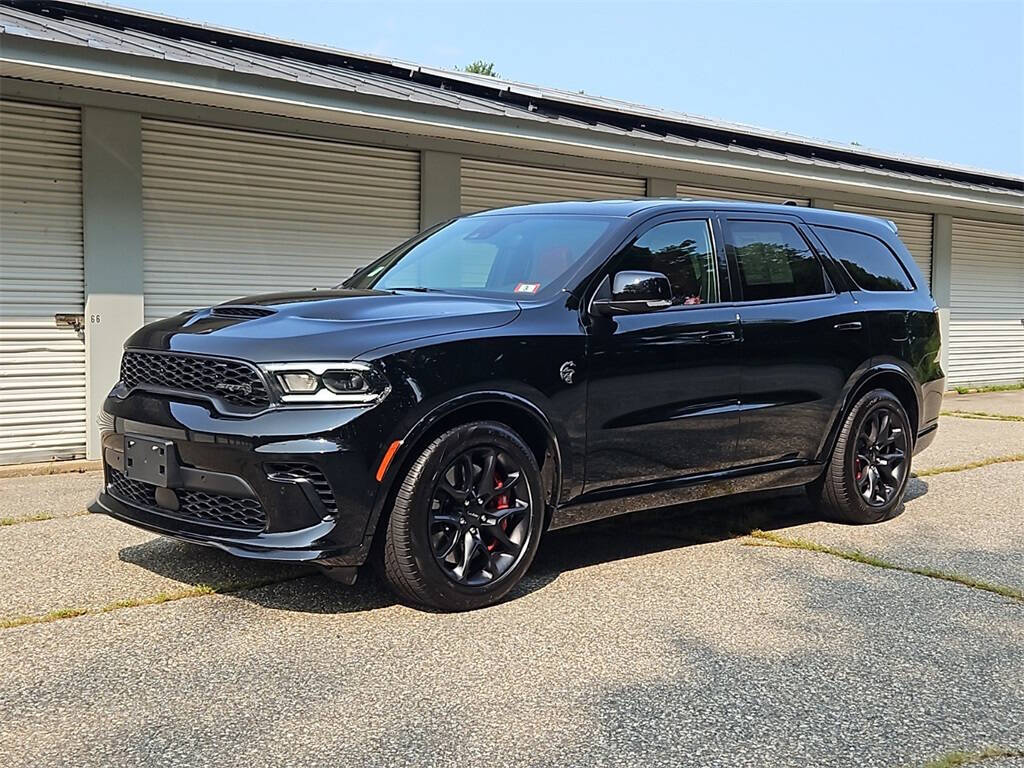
[
  {"x": 682, "y": 251},
  {"x": 775, "y": 262},
  {"x": 869, "y": 261}
]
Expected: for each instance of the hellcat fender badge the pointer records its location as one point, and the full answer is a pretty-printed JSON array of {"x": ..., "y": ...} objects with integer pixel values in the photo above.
[{"x": 567, "y": 371}]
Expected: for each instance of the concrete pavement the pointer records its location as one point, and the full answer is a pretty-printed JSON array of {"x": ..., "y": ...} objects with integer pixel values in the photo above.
[
  {"x": 969, "y": 523},
  {"x": 94, "y": 560},
  {"x": 1010, "y": 403},
  {"x": 661, "y": 638},
  {"x": 961, "y": 441},
  {"x": 60, "y": 495},
  {"x": 714, "y": 654}
]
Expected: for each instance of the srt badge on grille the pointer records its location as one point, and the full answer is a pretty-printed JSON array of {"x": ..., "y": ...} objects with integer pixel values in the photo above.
[{"x": 238, "y": 389}]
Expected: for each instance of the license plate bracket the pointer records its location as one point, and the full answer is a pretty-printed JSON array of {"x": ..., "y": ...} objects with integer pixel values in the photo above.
[{"x": 150, "y": 461}]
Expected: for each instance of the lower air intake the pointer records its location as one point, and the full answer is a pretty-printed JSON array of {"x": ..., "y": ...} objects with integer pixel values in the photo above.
[
  {"x": 291, "y": 472},
  {"x": 200, "y": 506}
]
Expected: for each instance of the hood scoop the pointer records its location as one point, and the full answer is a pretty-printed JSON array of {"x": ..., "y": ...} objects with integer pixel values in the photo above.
[{"x": 234, "y": 310}]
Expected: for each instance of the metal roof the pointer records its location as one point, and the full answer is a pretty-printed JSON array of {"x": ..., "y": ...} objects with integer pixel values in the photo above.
[{"x": 124, "y": 31}]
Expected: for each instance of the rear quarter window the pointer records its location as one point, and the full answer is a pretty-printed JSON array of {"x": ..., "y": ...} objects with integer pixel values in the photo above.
[{"x": 870, "y": 263}]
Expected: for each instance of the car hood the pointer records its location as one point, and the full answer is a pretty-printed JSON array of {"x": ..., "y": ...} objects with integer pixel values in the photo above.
[{"x": 339, "y": 324}]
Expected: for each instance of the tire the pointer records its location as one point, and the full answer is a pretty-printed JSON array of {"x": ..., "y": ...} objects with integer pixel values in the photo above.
[
  {"x": 426, "y": 520},
  {"x": 842, "y": 492}
]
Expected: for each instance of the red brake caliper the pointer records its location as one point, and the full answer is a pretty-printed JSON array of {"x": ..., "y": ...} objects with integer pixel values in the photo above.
[{"x": 502, "y": 503}]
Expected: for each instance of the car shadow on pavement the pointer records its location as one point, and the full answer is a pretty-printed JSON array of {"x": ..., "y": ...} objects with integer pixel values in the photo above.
[
  {"x": 916, "y": 488},
  {"x": 304, "y": 589},
  {"x": 673, "y": 527},
  {"x": 683, "y": 525}
]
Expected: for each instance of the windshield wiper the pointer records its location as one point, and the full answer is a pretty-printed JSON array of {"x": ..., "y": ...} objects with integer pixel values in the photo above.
[{"x": 417, "y": 288}]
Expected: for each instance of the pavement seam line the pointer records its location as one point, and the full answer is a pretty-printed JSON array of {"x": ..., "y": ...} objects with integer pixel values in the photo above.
[
  {"x": 983, "y": 415},
  {"x": 767, "y": 538},
  {"x": 959, "y": 758},
  {"x": 969, "y": 465},
  {"x": 197, "y": 590},
  {"x": 41, "y": 517}
]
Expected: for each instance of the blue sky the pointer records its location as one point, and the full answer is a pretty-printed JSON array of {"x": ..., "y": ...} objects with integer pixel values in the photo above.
[{"x": 941, "y": 79}]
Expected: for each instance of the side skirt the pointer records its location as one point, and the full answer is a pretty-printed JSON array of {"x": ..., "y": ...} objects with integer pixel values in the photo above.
[{"x": 609, "y": 502}]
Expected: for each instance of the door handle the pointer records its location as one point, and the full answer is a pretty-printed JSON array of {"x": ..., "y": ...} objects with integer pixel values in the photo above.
[
  {"x": 718, "y": 337},
  {"x": 853, "y": 325}
]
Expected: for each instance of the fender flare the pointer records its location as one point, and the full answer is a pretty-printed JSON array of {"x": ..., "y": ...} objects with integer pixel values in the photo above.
[
  {"x": 846, "y": 401},
  {"x": 431, "y": 418}
]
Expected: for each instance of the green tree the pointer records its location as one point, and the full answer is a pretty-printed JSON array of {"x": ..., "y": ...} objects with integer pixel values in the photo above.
[{"x": 481, "y": 67}]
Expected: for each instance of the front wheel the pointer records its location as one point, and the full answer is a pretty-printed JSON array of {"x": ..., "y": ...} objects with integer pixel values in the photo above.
[
  {"x": 466, "y": 521},
  {"x": 867, "y": 475}
]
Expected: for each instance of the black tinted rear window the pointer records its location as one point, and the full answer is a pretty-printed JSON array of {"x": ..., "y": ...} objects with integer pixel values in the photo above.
[
  {"x": 869, "y": 261},
  {"x": 775, "y": 261}
]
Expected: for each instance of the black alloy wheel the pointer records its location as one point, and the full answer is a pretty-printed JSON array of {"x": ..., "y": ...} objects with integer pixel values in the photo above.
[
  {"x": 480, "y": 515},
  {"x": 880, "y": 458},
  {"x": 467, "y": 518},
  {"x": 867, "y": 474}
]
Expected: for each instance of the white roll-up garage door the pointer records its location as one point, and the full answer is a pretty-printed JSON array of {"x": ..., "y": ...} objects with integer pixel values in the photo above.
[
  {"x": 714, "y": 193},
  {"x": 915, "y": 231},
  {"x": 487, "y": 184},
  {"x": 986, "y": 318},
  {"x": 230, "y": 212},
  {"x": 42, "y": 367}
]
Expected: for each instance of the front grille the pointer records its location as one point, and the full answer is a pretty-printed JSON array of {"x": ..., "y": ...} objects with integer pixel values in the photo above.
[
  {"x": 192, "y": 504},
  {"x": 292, "y": 472},
  {"x": 131, "y": 491},
  {"x": 235, "y": 382},
  {"x": 232, "y": 311}
]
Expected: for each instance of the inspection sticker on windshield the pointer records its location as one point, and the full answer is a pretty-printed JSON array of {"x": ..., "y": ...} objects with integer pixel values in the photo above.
[{"x": 527, "y": 287}]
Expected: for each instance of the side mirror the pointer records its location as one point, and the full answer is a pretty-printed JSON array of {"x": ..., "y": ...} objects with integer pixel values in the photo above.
[{"x": 632, "y": 293}]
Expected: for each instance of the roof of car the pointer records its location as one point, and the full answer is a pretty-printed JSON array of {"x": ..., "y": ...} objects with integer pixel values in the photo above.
[
  {"x": 591, "y": 207},
  {"x": 632, "y": 207},
  {"x": 625, "y": 208},
  {"x": 628, "y": 208}
]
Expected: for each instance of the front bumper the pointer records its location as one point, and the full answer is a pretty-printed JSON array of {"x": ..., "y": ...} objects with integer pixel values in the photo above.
[
  {"x": 308, "y": 545},
  {"x": 232, "y": 489}
]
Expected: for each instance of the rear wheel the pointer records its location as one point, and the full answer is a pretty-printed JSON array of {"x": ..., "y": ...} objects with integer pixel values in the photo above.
[
  {"x": 867, "y": 475},
  {"x": 466, "y": 521}
]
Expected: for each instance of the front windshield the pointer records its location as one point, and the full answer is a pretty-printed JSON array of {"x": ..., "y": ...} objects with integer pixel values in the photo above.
[{"x": 514, "y": 255}]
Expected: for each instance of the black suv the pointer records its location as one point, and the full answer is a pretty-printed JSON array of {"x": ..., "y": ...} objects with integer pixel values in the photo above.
[{"x": 531, "y": 368}]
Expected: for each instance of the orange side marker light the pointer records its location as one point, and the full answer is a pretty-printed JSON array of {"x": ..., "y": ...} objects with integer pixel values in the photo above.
[{"x": 386, "y": 461}]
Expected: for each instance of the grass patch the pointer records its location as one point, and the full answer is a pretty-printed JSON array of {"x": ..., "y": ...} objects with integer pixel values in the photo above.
[
  {"x": 984, "y": 415},
  {"x": 64, "y": 613},
  {"x": 767, "y": 538},
  {"x": 991, "y": 388},
  {"x": 37, "y": 518},
  {"x": 958, "y": 758},
  {"x": 969, "y": 465},
  {"x": 199, "y": 590},
  {"x": 30, "y": 519}
]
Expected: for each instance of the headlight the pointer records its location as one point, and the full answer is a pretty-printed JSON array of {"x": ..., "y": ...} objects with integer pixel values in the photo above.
[
  {"x": 344, "y": 382},
  {"x": 353, "y": 383}
]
